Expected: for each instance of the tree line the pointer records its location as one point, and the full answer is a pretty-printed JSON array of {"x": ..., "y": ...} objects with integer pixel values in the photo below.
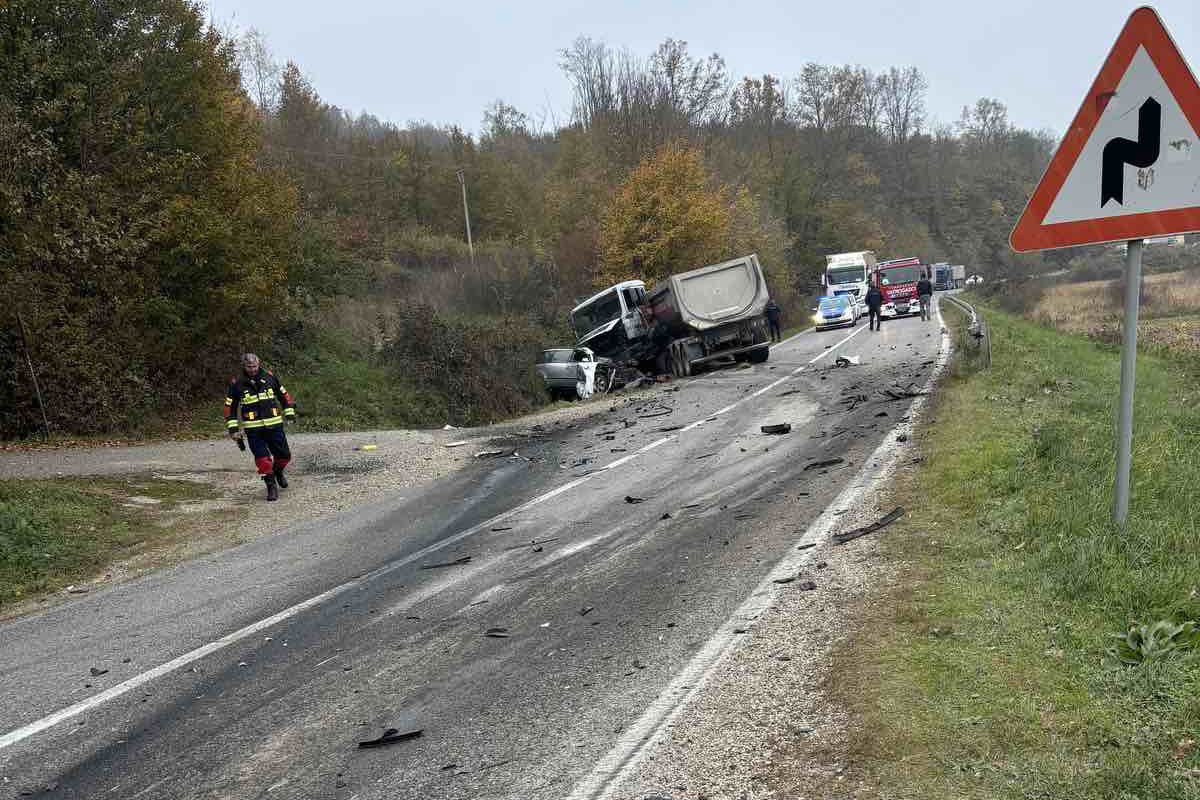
[{"x": 171, "y": 194}]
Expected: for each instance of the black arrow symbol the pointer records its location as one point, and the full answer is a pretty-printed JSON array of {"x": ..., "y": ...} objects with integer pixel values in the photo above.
[{"x": 1119, "y": 152}]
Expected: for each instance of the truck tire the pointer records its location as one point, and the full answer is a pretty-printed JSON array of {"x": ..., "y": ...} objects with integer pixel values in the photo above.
[{"x": 760, "y": 355}]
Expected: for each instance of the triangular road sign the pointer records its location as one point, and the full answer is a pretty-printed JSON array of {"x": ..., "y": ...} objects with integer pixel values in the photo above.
[{"x": 1129, "y": 165}]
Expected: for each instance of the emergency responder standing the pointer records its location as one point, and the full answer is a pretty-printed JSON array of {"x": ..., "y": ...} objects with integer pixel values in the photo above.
[
  {"x": 925, "y": 295},
  {"x": 874, "y": 303},
  {"x": 258, "y": 403},
  {"x": 773, "y": 311}
]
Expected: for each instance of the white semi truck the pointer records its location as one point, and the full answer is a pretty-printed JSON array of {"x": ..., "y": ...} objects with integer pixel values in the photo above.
[
  {"x": 847, "y": 273},
  {"x": 695, "y": 317}
]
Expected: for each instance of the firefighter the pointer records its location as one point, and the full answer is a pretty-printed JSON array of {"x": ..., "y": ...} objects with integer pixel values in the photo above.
[{"x": 258, "y": 404}]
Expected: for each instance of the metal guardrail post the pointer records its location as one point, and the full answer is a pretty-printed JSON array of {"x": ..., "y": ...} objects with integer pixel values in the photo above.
[{"x": 978, "y": 328}]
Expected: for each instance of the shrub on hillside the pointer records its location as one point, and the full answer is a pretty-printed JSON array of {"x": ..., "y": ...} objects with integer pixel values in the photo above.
[{"x": 482, "y": 366}]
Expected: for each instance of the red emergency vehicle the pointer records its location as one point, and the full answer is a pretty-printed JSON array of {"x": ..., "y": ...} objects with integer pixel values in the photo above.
[{"x": 898, "y": 282}]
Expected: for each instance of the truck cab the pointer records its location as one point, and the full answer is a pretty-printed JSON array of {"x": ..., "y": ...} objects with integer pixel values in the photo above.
[
  {"x": 847, "y": 273},
  {"x": 898, "y": 282},
  {"x": 611, "y": 322}
]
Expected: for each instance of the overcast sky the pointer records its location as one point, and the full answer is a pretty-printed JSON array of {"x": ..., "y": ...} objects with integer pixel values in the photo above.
[{"x": 444, "y": 61}]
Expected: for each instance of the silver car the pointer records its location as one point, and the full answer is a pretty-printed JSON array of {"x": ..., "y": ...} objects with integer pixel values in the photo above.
[{"x": 574, "y": 373}]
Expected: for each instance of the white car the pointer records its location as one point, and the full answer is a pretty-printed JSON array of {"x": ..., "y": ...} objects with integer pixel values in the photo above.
[
  {"x": 974, "y": 279},
  {"x": 574, "y": 373}
]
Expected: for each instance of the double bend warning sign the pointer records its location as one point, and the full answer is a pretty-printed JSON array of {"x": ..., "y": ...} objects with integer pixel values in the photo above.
[{"x": 1129, "y": 166}]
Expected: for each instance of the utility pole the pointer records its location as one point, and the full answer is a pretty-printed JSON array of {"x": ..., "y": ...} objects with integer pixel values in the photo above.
[
  {"x": 462, "y": 181},
  {"x": 37, "y": 390}
]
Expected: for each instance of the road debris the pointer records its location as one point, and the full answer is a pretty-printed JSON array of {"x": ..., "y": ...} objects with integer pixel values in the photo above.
[
  {"x": 888, "y": 519},
  {"x": 634, "y": 500},
  {"x": 534, "y": 543},
  {"x": 788, "y": 579},
  {"x": 706, "y": 455},
  {"x": 96, "y": 673},
  {"x": 847, "y": 361},
  {"x": 496, "y": 633},
  {"x": 583, "y": 612},
  {"x": 666, "y": 515},
  {"x": 807, "y": 586},
  {"x": 489, "y": 453},
  {"x": 392, "y": 736},
  {"x": 788, "y": 392},
  {"x": 656, "y": 414},
  {"x": 830, "y": 462},
  {"x": 366, "y": 447},
  {"x": 456, "y": 444},
  {"x": 456, "y": 562},
  {"x": 774, "y": 430},
  {"x": 668, "y": 429},
  {"x": 502, "y": 528},
  {"x": 806, "y": 546},
  {"x": 73, "y": 589}
]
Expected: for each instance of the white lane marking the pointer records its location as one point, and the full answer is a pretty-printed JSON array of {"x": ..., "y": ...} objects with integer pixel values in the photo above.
[
  {"x": 637, "y": 742},
  {"x": 87, "y": 704}
]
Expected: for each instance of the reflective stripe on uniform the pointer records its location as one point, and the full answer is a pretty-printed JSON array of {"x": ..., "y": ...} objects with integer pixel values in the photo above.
[
  {"x": 289, "y": 412},
  {"x": 263, "y": 423},
  {"x": 231, "y": 424}
]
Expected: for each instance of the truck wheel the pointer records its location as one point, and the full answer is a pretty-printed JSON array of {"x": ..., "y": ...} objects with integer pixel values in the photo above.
[{"x": 760, "y": 355}]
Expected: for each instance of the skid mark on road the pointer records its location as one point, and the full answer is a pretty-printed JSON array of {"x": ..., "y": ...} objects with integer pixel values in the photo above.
[{"x": 83, "y": 706}]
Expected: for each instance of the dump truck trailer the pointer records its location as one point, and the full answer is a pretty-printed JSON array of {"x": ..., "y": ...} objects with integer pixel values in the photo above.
[{"x": 714, "y": 312}]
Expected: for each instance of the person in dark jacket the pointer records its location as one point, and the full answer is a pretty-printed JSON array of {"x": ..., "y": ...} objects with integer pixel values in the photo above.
[
  {"x": 256, "y": 406},
  {"x": 925, "y": 295},
  {"x": 874, "y": 300},
  {"x": 773, "y": 312}
]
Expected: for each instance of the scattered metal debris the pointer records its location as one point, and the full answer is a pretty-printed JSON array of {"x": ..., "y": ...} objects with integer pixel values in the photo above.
[
  {"x": 783, "y": 427},
  {"x": 892, "y": 516},
  {"x": 456, "y": 562},
  {"x": 96, "y": 673},
  {"x": 534, "y": 543},
  {"x": 583, "y": 612},
  {"x": 489, "y": 453},
  {"x": 830, "y": 462},
  {"x": 456, "y": 444},
  {"x": 847, "y": 361},
  {"x": 496, "y": 633},
  {"x": 806, "y": 546},
  {"x": 632, "y": 500},
  {"x": 706, "y": 455},
  {"x": 392, "y": 736}
]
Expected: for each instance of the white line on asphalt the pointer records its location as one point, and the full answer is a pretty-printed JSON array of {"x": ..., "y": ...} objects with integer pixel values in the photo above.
[
  {"x": 87, "y": 704},
  {"x": 633, "y": 745}
]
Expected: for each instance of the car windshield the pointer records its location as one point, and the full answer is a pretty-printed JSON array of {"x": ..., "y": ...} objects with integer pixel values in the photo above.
[
  {"x": 838, "y": 303},
  {"x": 556, "y": 356},
  {"x": 592, "y": 316},
  {"x": 898, "y": 275},
  {"x": 845, "y": 275}
]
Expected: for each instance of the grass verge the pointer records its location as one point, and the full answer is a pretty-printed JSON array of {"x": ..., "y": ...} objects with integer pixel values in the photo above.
[
  {"x": 985, "y": 673},
  {"x": 55, "y": 533}
]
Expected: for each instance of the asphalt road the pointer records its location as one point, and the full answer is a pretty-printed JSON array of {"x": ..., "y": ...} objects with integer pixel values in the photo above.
[{"x": 255, "y": 672}]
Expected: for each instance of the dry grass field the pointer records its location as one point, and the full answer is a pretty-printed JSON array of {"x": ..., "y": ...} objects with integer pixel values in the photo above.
[{"x": 1170, "y": 310}]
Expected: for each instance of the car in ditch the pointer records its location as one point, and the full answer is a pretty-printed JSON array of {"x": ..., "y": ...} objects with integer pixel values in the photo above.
[
  {"x": 574, "y": 373},
  {"x": 833, "y": 312}
]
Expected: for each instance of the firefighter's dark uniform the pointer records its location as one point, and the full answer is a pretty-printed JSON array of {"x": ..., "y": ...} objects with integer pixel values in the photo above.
[{"x": 262, "y": 404}]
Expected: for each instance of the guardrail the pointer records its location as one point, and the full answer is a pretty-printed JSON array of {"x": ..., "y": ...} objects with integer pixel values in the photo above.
[{"x": 977, "y": 327}]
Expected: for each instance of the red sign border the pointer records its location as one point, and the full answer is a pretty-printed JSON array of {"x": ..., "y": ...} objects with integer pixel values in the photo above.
[{"x": 1144, "y": 29}]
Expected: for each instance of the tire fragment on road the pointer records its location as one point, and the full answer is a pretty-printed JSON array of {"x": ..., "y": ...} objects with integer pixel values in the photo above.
[
  {"x": 455, "y": 563},
  {"x": 888, "y": 519}
]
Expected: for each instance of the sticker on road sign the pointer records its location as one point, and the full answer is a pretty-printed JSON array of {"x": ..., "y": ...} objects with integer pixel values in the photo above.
[{"x": 1129, "y": 165}]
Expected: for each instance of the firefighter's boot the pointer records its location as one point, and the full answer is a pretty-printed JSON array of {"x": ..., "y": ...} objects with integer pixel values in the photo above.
[
  {"x": 279, "y": 477},
  {"x": 272, "y": 488}
]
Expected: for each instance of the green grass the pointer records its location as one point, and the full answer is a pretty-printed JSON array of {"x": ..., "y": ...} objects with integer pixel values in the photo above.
[
  {"x": 55, "y": 533},
  {"x": 986, "y": 674}
]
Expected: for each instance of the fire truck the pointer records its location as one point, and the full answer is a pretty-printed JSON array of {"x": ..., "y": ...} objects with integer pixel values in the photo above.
[{"x": 898, "y": 282}]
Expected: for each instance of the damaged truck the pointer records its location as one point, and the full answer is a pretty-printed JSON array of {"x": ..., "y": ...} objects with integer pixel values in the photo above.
[{"x": 687, "y": 321}]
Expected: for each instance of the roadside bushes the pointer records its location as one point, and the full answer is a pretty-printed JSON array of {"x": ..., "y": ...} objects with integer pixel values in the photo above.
[{"x": 482, "y": 368}]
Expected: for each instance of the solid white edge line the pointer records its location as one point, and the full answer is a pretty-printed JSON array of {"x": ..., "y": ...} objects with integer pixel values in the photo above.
[
  {"x": 12, "y": 737},
  {"x": 641, "y": 738}
]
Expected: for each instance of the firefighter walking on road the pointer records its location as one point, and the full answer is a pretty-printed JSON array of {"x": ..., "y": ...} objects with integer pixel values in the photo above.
[{"x": 257, "y": 404}]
